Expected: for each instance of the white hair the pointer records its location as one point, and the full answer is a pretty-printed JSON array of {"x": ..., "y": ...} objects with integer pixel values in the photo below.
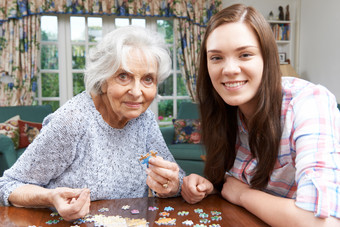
[{"x": 110, "y": 54}]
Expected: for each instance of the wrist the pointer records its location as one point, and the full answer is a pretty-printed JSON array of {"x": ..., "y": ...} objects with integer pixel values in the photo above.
[
  {"x": 46, "y": 197},
  {"x": 245, "y": 196}
]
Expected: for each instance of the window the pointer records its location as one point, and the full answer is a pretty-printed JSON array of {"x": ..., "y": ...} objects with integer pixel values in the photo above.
[
  {"x": 48, "y": 81},
  {"x": 65, "y": 42}
]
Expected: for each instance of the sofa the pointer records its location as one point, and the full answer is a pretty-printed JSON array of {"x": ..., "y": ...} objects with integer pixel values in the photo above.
[
  {"x": 8, "y": 153},
  {"x": 187, "y": 155}
]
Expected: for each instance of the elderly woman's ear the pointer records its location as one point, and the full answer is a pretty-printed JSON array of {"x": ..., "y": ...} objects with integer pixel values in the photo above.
[{"x": 103, "y": 88}]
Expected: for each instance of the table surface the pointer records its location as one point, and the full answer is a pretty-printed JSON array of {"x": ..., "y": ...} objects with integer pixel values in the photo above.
[{"x": 232, "y": 215}]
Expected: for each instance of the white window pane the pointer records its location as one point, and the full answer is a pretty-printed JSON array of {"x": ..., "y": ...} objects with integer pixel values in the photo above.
[
  {"x": 49, "y": 28},
  {"x": 121, "y": 22},
  {"x": 95, "y": 25},
  {"x": 165, "y": 27},
  {"x": 138, "y": 22},
  {"x": 77, "y": 28}
]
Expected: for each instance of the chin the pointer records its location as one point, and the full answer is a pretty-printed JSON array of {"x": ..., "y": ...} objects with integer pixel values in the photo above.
[{"x": 134, "y": 114}]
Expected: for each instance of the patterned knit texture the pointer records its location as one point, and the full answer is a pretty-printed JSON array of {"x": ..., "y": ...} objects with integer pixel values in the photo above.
[{"x": 76, "y": 148}]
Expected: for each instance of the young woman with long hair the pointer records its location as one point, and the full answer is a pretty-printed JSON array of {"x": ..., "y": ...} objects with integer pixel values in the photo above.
[{"x": 272, "y": 143}]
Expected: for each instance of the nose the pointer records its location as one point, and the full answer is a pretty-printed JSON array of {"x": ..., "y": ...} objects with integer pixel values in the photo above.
[
  {"x": 136, "y": 89},
  {"x": 231, "y": 67}
]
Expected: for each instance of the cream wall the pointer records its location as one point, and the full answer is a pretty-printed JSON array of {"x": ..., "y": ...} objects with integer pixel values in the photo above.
[
  {"x": 265, "y": 7},
  {"x": 320, "y": 43},
  {"x": 317, "y": 37}
]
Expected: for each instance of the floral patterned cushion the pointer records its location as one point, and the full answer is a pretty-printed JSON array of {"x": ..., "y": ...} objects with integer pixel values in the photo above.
[
  {"x": 187, "y": 131},
  {"x": 28, "y": 131},
  {"x": 10, "y": 128}
]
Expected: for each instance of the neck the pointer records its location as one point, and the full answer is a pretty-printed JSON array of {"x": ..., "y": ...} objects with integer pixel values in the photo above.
[{"x": 103, "y": 106}]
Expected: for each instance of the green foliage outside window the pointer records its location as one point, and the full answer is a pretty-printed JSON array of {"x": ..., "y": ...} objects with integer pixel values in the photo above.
[{"x": 50, "y": 81}]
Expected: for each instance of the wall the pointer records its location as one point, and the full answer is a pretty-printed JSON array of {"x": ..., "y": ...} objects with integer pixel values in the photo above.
[
  {"x": 320, "y": 43},
  {"x": 265, "y": 7},
  {"x": 317, "y": 38}
]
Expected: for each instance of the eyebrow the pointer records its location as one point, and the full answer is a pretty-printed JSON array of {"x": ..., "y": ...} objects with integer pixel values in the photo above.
[
  {"x": 237, "y": 49},
  {"x": 122, "y": 70}
]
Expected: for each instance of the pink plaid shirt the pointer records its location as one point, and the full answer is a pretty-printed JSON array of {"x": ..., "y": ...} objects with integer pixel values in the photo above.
[{"x": 308, "y": 164}]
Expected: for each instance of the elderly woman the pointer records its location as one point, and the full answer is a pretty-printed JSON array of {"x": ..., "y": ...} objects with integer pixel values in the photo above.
[{"x": 90, "y": 148}]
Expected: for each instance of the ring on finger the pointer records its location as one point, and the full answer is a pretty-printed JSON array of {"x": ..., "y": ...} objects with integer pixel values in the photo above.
[{"x": 166, "y": 185}]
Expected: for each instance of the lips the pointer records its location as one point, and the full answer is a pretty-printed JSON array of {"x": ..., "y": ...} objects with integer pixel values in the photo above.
[
  {"x": 235, "y": 84},
  {"x": 133, "y": 104}
]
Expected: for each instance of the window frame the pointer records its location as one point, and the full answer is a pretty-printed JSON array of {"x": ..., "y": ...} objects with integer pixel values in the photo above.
[{"x": 64, "y": 45}]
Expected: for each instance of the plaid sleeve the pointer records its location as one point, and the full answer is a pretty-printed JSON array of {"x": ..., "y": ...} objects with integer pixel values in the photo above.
[{"x": 316, "y": 137}]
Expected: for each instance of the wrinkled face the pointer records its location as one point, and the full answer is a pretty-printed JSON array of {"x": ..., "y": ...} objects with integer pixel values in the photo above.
[
  {"x": 130, "y": 92},
  {"x": 235, "y": 64}
]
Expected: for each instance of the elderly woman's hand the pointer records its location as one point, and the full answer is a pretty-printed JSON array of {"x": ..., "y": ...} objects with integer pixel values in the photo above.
[
  {"x": 71, "y": 203},
  {"x": 163, "y": 177}
]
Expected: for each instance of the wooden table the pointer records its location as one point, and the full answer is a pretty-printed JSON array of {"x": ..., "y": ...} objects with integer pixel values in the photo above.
[{"x": 231, "y": 215}]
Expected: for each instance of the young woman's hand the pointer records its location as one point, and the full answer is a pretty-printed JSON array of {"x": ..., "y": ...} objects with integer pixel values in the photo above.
[
  {"x": 163, "y": 177},
  {"x": 195, "y": 188}
]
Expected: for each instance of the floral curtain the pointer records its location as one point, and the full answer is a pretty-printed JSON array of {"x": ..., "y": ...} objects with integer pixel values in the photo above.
[
  {"x": 189, "y": 35},
  {"x": 18, "y": 62},
  {"x": 20, "y": 31}
]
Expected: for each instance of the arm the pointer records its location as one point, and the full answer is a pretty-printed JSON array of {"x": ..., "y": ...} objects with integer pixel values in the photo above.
[
  {"x": 50, "y": 153},
  {"x": 70, "y": 203},
  {"x": 276, "y": 211}
]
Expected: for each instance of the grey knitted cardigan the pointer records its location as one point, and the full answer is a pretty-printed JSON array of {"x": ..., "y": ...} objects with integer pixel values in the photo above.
[{"x": 76, "y": 148}]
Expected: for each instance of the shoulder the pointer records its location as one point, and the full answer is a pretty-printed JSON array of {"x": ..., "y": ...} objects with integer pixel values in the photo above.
[
  {"x": 297, "y": 92},
  {"x": 75, "y": 111}
]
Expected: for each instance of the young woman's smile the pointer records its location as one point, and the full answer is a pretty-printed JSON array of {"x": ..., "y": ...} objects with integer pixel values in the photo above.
[
  {"x": 235, "y": 64},
  {"x": 233, "y": 85}
]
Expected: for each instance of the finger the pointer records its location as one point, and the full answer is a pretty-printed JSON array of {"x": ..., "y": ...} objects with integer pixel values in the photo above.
[
  {"x": 191, "y": 198},
  {"x": 190, "y": 187},
  {"x": 170, "y": 174},
  {"x": 161, "y": 163},
  {"x": 83, "y": 197},
  {"x": 206, "y": 188},
  {"x": 159, "y": 186},
  {"x": 157, "y": 177},
  {"x": 85, "y": 209},
  {"x": 79, "y": 207}
]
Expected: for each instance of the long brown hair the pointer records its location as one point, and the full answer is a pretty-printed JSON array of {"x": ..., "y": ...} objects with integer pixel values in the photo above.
[{"x": 219, "y": 120}]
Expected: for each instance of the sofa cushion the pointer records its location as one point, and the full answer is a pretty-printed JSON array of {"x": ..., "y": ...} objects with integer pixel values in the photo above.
[
  {"x": 187, "y": 131},
  {"x": 187, "y": 151},
  {"x": 10, "y": 128},
  {"x": 28, "y": 131}
]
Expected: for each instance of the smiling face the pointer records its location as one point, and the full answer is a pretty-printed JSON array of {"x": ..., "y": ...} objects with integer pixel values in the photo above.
[
  {"x": 235, "y": 65},
  {"x": 131, "y": 90}
]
